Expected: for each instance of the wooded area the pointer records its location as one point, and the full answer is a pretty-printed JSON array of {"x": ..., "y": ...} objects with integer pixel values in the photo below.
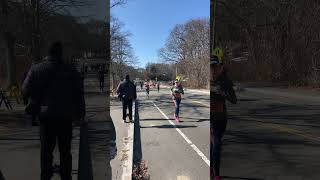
[
  {"x": 187, "y": 47},
  {"x": 277, "y": 40},
  {"x": 28, "y": 27}
]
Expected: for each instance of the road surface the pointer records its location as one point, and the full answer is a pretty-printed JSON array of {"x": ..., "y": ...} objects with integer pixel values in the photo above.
[
  {"x": 272, "y": 135},
  {"x": 175, "y": 150}
]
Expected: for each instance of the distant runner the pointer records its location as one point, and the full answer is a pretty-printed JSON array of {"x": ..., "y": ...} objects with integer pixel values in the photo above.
[
  {"x": 158, "y": 86},
  {"x": 147, "y": 88},
  {"x": 141, "y": 85},
  {"x": 176, "y": 92}
]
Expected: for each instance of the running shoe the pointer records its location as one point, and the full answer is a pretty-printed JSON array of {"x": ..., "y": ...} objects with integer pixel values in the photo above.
[{"x": 178, "y": 119}]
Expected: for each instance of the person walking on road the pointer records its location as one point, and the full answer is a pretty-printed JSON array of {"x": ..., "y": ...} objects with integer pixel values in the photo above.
[
  {"x": 141, "y": 85},
  {"x": 177, "y": 91},
  {"x": 158, "y": 86},
  {"x": 56, "y": 90},
  {"x": 147, "y": 88},
  {"x": 221, "y": 90},
  {"x": 128, "y": 93},
  {"x": 101, "y": 78}
]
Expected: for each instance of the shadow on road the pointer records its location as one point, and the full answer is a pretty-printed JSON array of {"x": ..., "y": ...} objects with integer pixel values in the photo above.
[
  {"x": 137, "y": 148},
  {"x": 240, "y": 178},
  {"x": 169, "y": 126},
  {"x": 1, "y": 176},
  {"x": 197, "y": 119}
]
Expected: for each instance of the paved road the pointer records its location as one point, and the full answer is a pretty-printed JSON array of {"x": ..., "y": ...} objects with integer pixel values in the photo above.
[
  {"x": 272, "y": 135},
  {"x": 175, "y": 151}
]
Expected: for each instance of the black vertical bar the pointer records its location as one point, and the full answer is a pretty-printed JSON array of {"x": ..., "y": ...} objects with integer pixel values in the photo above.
[{"x": 85, "y": 171}]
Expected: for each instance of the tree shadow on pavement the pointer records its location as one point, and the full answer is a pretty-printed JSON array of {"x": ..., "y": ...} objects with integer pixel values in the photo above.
[
  {"x": 276, "y": 118},
  {"x": 197, "y": 119},
  {"x": 152, "y": 119},
  {"x": 280, "y": 114},
  {"x": 169, "y": 126},
  {"x": 259, "y": 138}
]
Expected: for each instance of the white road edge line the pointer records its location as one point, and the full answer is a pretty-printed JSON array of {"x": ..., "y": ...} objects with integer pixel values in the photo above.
[
  {"x": 128, "y": 163},
  {"x": 194, "y": 147}
]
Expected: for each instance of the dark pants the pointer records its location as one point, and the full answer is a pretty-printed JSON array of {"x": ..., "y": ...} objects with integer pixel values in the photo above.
[
  {"x": 101, "y": 84},
  {"x": 126, "y": 103},
  {"x": 218, "y": 127},
  {"x": 177, "y": 103},
  {"x": 51, "y": 132}
]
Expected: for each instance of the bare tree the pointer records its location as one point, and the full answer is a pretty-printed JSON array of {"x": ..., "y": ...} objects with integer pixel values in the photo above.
[
  {"x": 277, "y": 36},
  {"x": 188, "y": 47},
  {"x": 122, "y": 54},
  {"x": 115, "y": 3}
]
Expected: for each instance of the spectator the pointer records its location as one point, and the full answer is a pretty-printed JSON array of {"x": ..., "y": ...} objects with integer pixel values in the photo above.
[
  {"x": 127, "y": 92},
  {"x": 56, "y": 88}
]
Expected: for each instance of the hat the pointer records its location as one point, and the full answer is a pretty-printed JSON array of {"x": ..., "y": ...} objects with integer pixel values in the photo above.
[{"x": 215, "y": 60}]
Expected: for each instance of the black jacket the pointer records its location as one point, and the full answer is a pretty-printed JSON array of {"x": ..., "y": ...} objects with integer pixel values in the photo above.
[
  {"x": 57, "y": 86},
  {"x": 223, "y": 83},
  {"x": 127, "y": 89}
]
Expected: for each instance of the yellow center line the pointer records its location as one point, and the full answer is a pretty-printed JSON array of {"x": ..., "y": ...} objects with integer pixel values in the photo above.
[
  {"x": 295, "y": 132},
  {"x": 278, "y": 127},
  {"x": 288, "y": 130}
]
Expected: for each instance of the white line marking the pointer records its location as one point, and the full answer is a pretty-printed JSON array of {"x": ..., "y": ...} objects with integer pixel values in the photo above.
[{"x": 194, "y": 147}]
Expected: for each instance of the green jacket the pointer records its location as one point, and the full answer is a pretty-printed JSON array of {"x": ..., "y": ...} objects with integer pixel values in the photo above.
[{"x": 177, "y": 91}]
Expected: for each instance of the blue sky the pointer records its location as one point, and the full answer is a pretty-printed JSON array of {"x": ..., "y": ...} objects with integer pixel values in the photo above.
[{"x": 150, "y": 22}]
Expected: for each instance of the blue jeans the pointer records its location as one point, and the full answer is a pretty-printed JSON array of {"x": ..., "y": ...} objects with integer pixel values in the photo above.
[{"x": 178, "y": 101}]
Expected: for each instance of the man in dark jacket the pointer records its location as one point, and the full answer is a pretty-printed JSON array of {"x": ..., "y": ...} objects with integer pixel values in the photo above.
[
  {"x": 221, "y": 90},
  {"x": 127, "y": 92},
  {"x": 58, "y": 88}
]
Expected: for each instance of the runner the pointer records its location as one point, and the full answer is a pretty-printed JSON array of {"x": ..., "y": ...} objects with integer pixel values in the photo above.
[
  {"x": 176, "y": 92},
  {"x": 147, "y": 88},
  {"x": 220, "y": 91},
  {"x": 158, "y": 86}
]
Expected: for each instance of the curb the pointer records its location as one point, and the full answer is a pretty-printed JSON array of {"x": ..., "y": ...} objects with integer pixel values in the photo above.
[{"x": 128, "y": 164}]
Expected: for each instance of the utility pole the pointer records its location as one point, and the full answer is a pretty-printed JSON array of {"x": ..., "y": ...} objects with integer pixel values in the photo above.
[{"x": 176, "y": 70}]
